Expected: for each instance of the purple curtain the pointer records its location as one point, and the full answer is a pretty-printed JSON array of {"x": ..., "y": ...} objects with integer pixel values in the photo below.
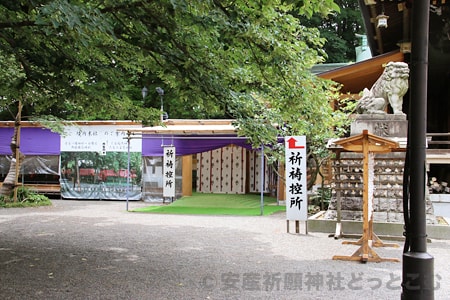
[
  {"x": 33, "y": 141},
  {"x": 152, "y": 144}
]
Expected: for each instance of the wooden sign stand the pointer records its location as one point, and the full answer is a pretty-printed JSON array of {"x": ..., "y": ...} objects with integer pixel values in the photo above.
[
  {"x": 367, "y": 143},
  {"x": 297, "y": 226}
]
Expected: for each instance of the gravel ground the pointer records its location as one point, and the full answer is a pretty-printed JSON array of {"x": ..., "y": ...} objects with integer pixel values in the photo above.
[{"x": 97, "y": 250}]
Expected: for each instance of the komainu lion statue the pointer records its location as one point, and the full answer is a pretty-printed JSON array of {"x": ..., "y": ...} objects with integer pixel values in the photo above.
[{"x": 388, "y": 89}]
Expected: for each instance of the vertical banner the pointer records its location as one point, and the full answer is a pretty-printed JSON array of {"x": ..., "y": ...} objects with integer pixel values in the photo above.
[
  {"x": 296, "y": 185},
  {"x": 169, "y": 172},
  {"x": 370, "y": 184}
]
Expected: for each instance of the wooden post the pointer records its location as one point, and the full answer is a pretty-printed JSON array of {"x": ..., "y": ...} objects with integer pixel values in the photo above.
[
  {"x": 186, "y": 175},
  {"x": 297, "y": 226},
  {"x": 281, "y": 183}
]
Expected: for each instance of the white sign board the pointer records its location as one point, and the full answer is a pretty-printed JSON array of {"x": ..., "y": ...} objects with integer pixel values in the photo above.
[
  {"x": 296, "y": 185},
  {"x": 98, "y": 138},
  {"x": 370, "y": 184},
  {"x": 169, "y": 172}
]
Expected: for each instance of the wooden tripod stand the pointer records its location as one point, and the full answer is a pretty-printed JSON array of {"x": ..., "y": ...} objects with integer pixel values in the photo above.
[{"x": 368, "y": 144}]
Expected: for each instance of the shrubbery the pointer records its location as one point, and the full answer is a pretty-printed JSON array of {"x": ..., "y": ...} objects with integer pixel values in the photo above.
[{"x": 25, "y": 198}]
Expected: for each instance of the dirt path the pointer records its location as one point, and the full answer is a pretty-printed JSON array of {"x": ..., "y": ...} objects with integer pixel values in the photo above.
[{"x": 97, "y": 250}]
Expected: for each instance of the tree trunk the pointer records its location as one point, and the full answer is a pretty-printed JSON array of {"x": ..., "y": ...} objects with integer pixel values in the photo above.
[{"x": 11, "y": 179}]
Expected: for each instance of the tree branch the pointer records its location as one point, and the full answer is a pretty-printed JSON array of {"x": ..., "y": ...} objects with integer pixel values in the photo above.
[{"x": 5, "y": 25}]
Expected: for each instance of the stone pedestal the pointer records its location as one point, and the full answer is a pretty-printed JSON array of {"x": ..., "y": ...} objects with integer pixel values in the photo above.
[{"x": 386, "y": 126}]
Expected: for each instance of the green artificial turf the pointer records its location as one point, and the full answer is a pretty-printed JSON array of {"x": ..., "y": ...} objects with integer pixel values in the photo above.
[{"x": 217, "y": 204}]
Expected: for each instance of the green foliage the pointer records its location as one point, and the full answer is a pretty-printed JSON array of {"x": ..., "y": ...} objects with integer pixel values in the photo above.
[
  {"x": 339, "y": 29},
  {"x": 53, "y": 123},
  {"x": 247, "y": 60},
  {"x": 10, "y": 74},
  {"x": 319, "y": 200},
  {"x": 25, "y": 198},
  {"x": 68, "y": 59},
  {"x": 308, "y": 8}
]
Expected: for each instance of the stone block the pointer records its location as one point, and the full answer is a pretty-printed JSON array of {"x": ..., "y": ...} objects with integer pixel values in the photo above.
[{"x": 386, "y": 126}]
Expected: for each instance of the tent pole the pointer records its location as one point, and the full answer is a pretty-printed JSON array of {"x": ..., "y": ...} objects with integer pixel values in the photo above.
[
  {"x": 128, "y": 168},
  {"x": 262, "y": 180}
]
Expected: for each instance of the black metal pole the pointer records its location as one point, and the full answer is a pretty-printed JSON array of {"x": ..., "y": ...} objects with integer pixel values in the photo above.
[{"x": 418, "y": 270}]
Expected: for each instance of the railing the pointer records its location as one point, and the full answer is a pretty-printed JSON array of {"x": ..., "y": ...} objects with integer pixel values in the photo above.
[
  {"x": 443, "y": 139},
  {"x": 438, "y": 150}
]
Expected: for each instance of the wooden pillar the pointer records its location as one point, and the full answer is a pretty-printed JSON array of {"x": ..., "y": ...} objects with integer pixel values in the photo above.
[
  {"x": 281, "y": 183},
  {"x": 366, "y": 235},
  {"x": 186, "y": 175}
]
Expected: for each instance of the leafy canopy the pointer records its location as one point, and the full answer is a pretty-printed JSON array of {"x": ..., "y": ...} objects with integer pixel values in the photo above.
[
  {"x": 339, "y": 30},
  {"x": 247, "y": 60}
]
